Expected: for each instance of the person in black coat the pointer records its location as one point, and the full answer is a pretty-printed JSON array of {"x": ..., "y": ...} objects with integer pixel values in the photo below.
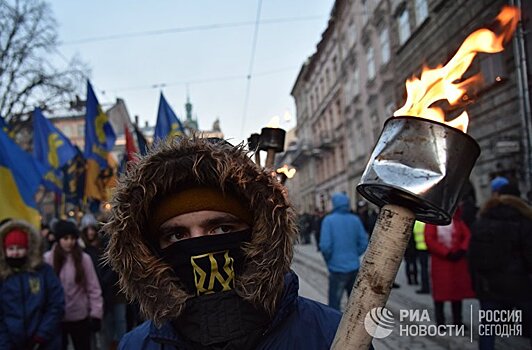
[{"x": 500, "y": 257}]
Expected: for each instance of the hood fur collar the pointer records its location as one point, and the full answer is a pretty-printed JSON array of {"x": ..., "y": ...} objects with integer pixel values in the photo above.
[
  {"x": 34, "y": 247},
  {"x": 508, "y": 200},
  {"x": 170, "y": 166}
]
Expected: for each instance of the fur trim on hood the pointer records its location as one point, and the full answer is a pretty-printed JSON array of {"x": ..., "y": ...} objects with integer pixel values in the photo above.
[
  {"x": 34, "y": 247},
  {"x": 507, "y": 200},
  {"x": 173, "y": 165}
]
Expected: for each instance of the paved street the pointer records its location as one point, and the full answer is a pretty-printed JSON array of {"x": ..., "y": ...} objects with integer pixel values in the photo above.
[{"x": 309, "y": 265}]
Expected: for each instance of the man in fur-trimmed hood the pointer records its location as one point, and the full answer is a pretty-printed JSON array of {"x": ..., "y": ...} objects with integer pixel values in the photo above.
[
  {"x": 32, "y": 297},
  {"x": 202, "y": 239}
]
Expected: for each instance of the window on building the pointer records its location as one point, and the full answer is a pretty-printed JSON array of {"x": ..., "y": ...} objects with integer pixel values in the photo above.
[
  {"x": 370, "y": 59},
  {"x": 403, "y": 23},
  {"x": 375, "y": 126},
  {"x": 334, "y": 168},
  {"x": 352, "y": 32},
  {"x": 351, "y": 144},
  {"x": 422, "y": 11},
  {"x": 492, "y": 68},
  {"x": 356, "y": 82},
  {"x": 365, "y": 11},
  {"x": 389, "y": 109},
  {"x": 384, "y": 39},
  {"x": 343, "y": 164},
  {"x": 338, "y": 114},
  {"x": 81, "y": 130}
]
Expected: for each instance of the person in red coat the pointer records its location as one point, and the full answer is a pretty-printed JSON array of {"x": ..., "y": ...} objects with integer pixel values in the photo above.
[{"x": 449, "y": 270}]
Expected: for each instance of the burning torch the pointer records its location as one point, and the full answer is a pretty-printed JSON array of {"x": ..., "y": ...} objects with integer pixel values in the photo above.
[
  {"x": 272, "y": 141},
  {"x": 416, "y": 171}
]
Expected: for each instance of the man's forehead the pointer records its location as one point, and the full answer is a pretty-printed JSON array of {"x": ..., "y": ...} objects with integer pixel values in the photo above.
[{"x": 202, "y": 217}]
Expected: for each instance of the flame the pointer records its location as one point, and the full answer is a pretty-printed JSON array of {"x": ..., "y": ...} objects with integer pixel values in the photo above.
[
  {"x": 444, "y": 82},
  {"x": 289, "y": 172},
  {"x": 274, "y": 122},
  {"x": 287, "y": 116}
]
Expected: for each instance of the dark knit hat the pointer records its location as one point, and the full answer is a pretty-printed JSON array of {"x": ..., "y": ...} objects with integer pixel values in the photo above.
[
  {"x": 197, "y": 199},
  {"x": 63, "y": 228}
]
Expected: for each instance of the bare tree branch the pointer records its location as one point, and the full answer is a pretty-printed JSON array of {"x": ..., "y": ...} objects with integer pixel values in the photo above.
[{"x": 28, "y": 39}]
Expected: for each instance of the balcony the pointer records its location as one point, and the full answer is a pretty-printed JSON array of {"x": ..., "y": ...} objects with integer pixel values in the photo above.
[{"x": 325, "y": 141}]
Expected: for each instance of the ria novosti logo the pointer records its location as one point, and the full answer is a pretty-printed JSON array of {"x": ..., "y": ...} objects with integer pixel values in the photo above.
[{"x": 379, "y": 322}]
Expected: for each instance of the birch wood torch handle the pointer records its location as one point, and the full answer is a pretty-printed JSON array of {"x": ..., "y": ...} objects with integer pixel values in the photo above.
[{"x": 376, "y": 275}]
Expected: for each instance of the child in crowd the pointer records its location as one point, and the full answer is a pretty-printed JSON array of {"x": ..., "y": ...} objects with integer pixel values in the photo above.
[{"x": 32, "y": 297}]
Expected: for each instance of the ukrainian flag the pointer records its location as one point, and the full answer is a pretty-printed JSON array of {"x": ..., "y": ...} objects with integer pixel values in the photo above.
[
  {"x": 167, "y": 122},
  {"x": 99, "y": 141},
  {"x": 51, "y": 148},
  {"x": 20, "y": 177}
]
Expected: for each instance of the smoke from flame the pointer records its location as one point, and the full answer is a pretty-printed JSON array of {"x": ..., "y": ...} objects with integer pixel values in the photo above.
[{"x": 444, "y": 83}]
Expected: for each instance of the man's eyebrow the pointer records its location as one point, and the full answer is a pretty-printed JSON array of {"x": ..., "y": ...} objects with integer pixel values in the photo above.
[
  {"x": 217, "y": 220},
  {"x": 222, "y": 219}
]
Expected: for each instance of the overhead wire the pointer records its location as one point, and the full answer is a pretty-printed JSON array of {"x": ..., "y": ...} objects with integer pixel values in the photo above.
[
  {"x": 213, "y": 26},
  {"x": 250, "y": 68}
]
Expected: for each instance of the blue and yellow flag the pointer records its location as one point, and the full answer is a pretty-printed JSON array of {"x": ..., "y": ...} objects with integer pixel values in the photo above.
[
  {"x": 99, "y": 141},
  {"x": 3, "y": 125},
  {"x": 20, "y": 177},
  {"x": 99, "y": 134},
  {"x": 74, "y": 179},
  {"x": 167, "y": 122},
  {"x": 51, "y": 148}
]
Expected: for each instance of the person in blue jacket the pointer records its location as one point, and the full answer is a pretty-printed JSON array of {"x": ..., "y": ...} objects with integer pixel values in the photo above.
[
  {"x": 343, "y": 239},
  {"x": 202, "y": 238},
  {"x": 32, "y": 297}
]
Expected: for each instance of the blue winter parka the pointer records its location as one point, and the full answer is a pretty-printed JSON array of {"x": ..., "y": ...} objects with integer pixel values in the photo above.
[
  {"x": 299, "y": 323},
  {"x": 32, "y": 299},
  {"x": 343, "y": 237}
]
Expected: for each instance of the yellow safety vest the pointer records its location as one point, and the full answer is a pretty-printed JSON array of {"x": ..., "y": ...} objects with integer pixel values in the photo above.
[{"x": 419, "y": 235}]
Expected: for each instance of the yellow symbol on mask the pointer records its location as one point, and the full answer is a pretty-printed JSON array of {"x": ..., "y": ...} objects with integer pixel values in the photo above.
[
  {"x": 205, "y": 280},
  {"x": 54, "y": 142},
  {"x": 35, "y": 285},
  {"x": 99, "y": 123}
]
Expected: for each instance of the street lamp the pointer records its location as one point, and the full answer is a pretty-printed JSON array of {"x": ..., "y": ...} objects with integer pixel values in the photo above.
[{"x": 285, "y": 172}]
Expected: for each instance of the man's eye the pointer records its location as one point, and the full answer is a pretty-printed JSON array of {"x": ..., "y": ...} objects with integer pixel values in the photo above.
[
  {"x": 222, "y": 229},
  {"x": 174, "y": 237}
]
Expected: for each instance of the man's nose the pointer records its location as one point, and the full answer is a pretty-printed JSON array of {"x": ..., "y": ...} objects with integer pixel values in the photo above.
[{"x": 198, "y": 232}]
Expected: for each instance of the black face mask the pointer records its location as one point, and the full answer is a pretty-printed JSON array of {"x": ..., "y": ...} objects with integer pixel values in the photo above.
[
  {"x": 208, "y": 264},
  {"x": 16, "y": 263}
]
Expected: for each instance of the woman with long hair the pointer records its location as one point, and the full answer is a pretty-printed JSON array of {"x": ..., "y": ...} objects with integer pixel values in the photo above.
[{"x": 83, "y": 295}]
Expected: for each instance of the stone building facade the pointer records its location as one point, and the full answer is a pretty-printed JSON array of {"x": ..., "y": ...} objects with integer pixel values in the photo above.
[
  {"x": 497, "y": 121},
  {"x": 343, "y": 94},
  {"x": 356, "y": 80}
]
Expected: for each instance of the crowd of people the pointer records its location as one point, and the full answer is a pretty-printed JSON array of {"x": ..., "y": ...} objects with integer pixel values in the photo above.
[
  {"x": 483, "y": 253},
  {"x": 56, "y": 291},
  {"x": 200, "y": 240}
]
